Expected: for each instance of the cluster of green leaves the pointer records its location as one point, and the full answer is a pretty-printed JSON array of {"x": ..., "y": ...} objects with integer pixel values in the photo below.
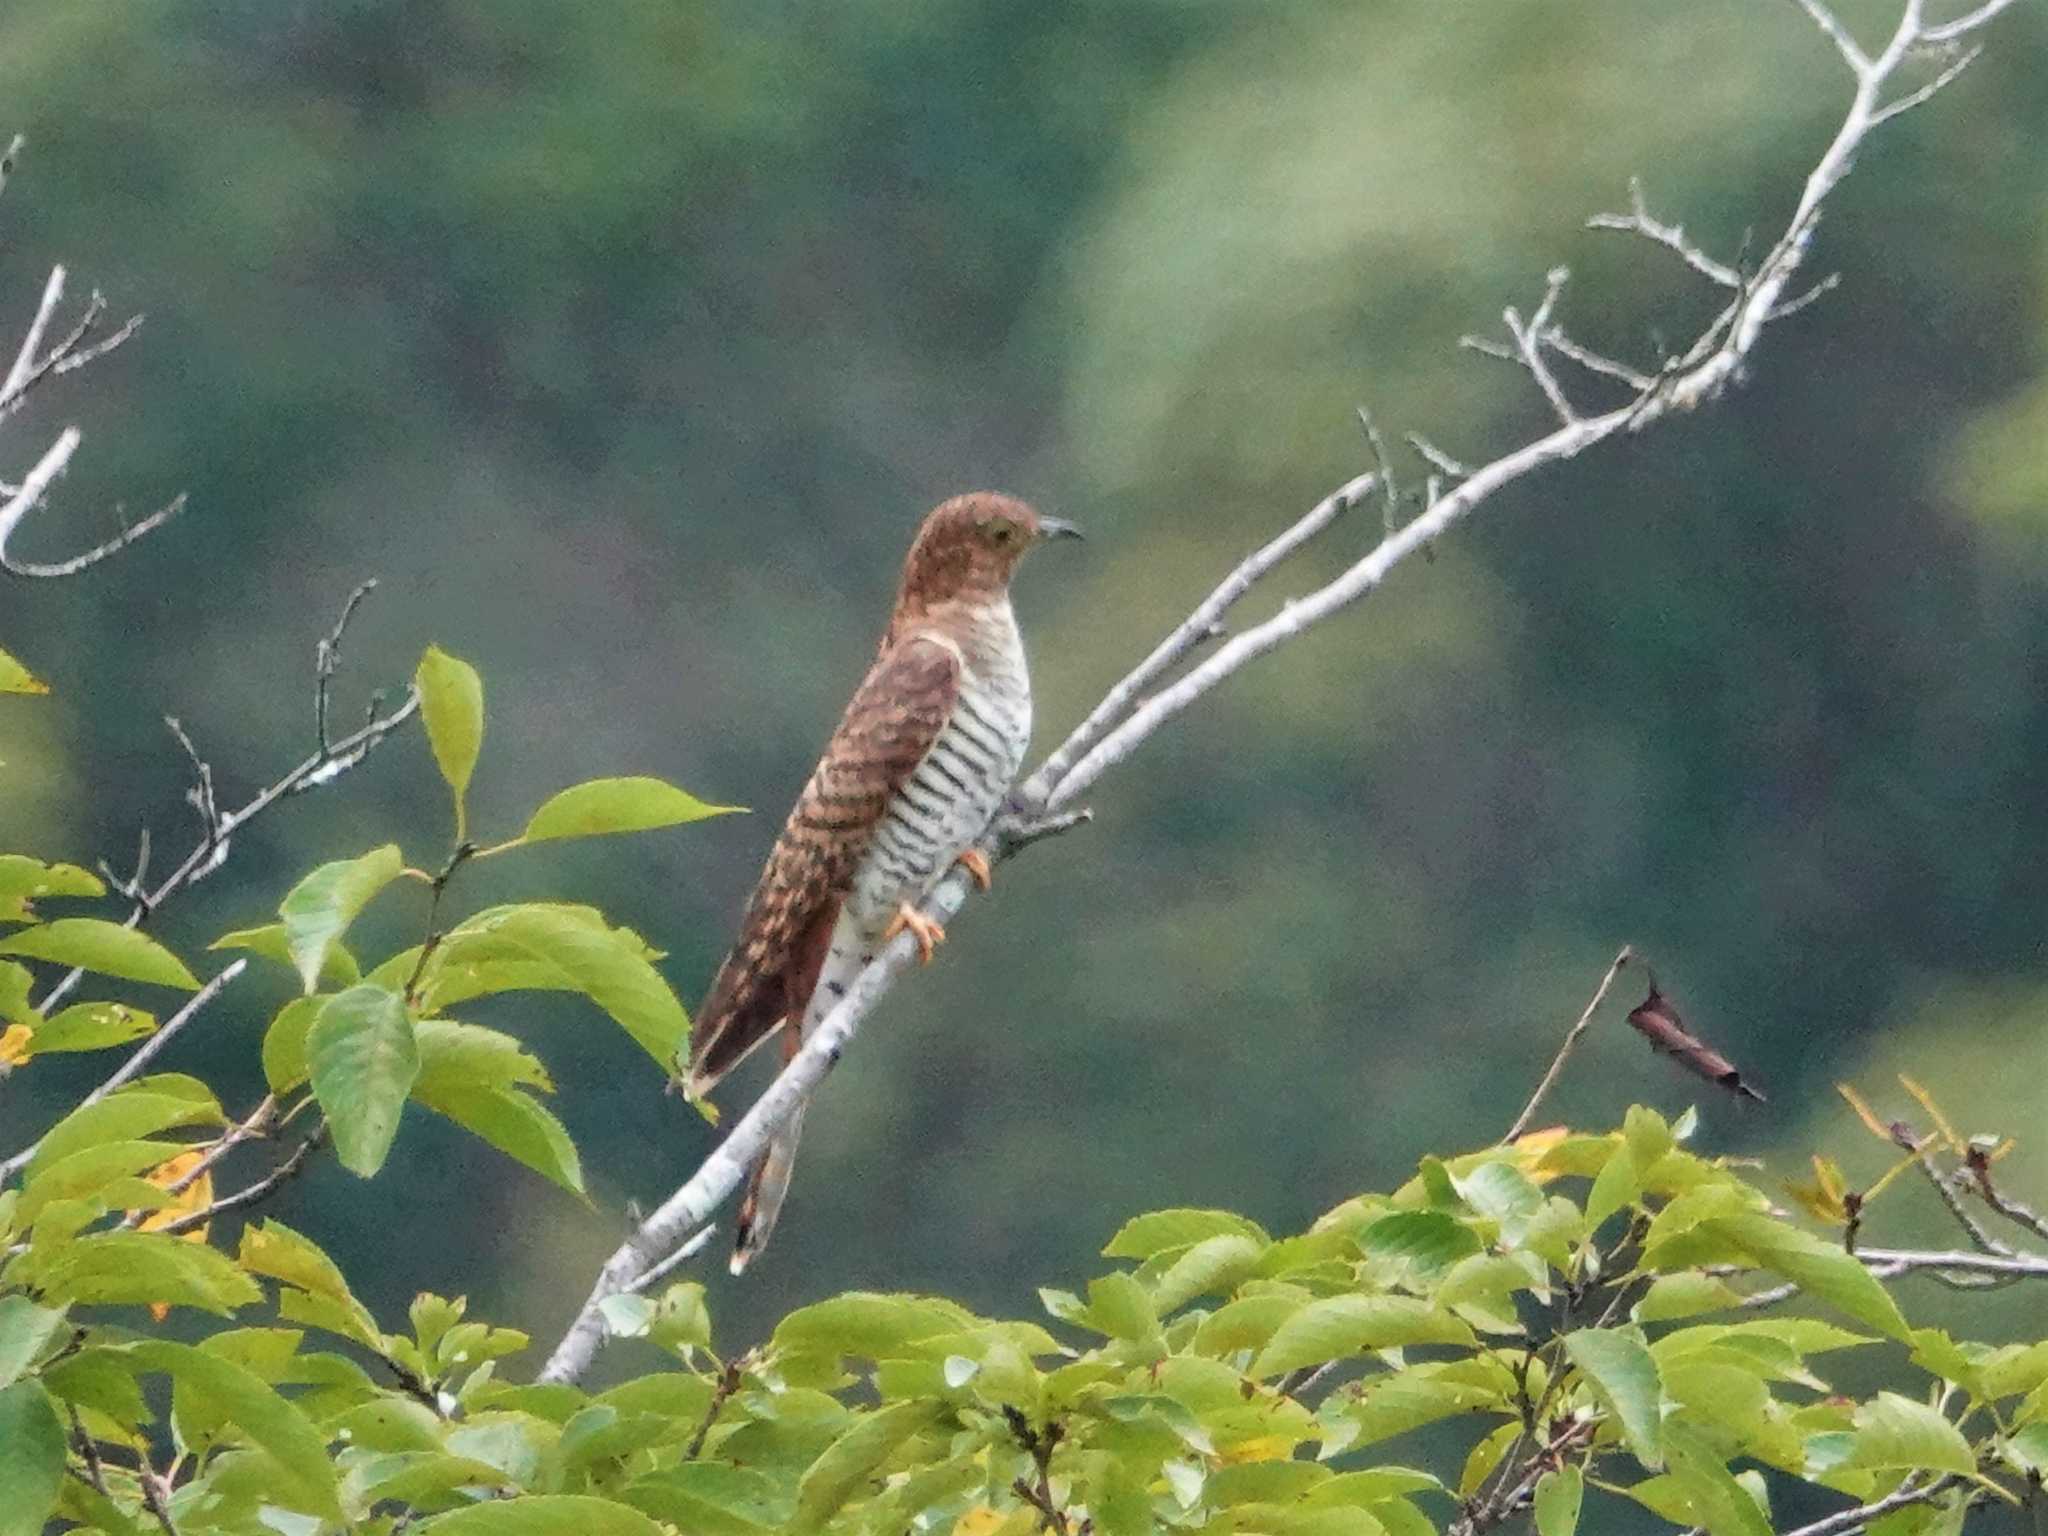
[
  {"x": 113, "y": 1204},
  {"x": 1549, "y": 1324}
]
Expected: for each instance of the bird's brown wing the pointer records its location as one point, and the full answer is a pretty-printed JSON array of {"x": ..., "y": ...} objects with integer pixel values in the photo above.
[{"x": 895, "y": 716}]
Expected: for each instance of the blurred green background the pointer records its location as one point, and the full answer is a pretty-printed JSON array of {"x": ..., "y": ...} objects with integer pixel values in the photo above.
[{"x": 627, "y": 343}]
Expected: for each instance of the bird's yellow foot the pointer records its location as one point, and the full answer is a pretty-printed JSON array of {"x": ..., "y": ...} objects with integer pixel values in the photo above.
[
  {"x": 928, "y": 933},
  {"x": 975, "y": 862}
]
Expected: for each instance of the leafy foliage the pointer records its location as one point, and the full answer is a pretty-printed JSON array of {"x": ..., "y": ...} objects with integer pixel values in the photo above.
[{"x": 1571, "y": 1318}]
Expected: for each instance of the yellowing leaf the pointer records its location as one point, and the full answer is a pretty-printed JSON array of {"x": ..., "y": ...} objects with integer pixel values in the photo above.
[
  {"x": 452, "y": 706},
  {"x": 196, "y": 1196},
  {"x": 14, "y": 1045},
  {"x": 15, "y": 678}
]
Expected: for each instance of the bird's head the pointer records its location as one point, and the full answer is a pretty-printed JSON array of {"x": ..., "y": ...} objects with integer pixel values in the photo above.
[{"x": 969, "y": 547}]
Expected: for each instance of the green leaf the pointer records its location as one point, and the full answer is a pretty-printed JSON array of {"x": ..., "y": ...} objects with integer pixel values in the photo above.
[
  {"x": 604, "y": 806},
  {"x": 1822, "y": 1269},
  {"x": 1684, "y": 1295},
  {"x": 272, "y": 1425},
  {"x": 1432, "y": 1241},
  {"x": 141, "y": 1109},
  {"x": 1614, "y": 1187},
  {"x": 318, "y": 910},
  {"x": 714, "y": 1498},
  {"x": 514, "y": 1123},
  {"x": 24, "y": 880},
  {"x": 363, "y": 1060},
  {"x": 1156, "y": 1231},
  {"x": 847, "y": 1461},
  {"x": 1623, "y": 1375},
  {"x": 1338, "y": 1326},
  {"x": 1558, "y": 1497},
  {"x": 92, "y": 1027},
  {"x": 89, "y": 1171},
  {"x": 108, "y": 949},
  {"x": 1214, "y": 1266},
  {"x": 607, "y": 965},
  {"x": 139, "y": 1268},
  {"x": 31, "y": 1458},
  {"x": 1896, "y": 1434},
  {"x": 15, "y": 678},
  {"x": 1718, "y": 1501},
  {"x": 462, "y": 1056},
  {"x": 24, "y": 1329},
  {"x": 452, "y": 707},
  {"x": 284, "y": 1043},
  {"x": 270, "y": 942},
  {"x": 1504, "y": 1194},
  {"x": 274, "y": 1250},
  {"x": 870, "y": 1324}
]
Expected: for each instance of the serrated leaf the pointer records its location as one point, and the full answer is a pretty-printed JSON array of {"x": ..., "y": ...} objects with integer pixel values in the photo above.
[
  {"x": 271, "y": 942},
  {"x": 452, "y": 709},
  {"x": 871, "y": 1324},
  {"x": 277, "y": 1252},
  {"x": 25, "y": 1329},
  {"x": 1558, "y": 1497},
  {"x": 363, "y": 1061},
  {"x": 92, "y": 1027},
  {"x": 1684, "y": 1295},
  {"x": 607, "y": 965},
  {"x": 1822, "y": 1269},
  {"x": 1718, "y": 1501},
  {"x": 1623, "y": 1375},
  {"x": 141, "y": 1268},
  {"x": 513, "y": 1122},
  {"x": 1895, "y": 1433},
  {"x": 1338, "y": 1326},
  {"x": 1614, "y": 1187},
  {"x": 1432, "y": 1241},
  {"x": 107, "y": 949},
  {"x": 467, "y": 1056},
  {"x": 31, "y": 1458},
  {"x": 24, "y": 880},
  {"x": 318, "y": 910},
  {"x": 284, "y": 1043},
  {"x": 1214, "y": 1266},
  {"x": 141, "y": 1109},
  {"x": 270, "y": 1424},
  {"x": 1156, "y": 1231},
  {"x": 605, "y": 806},
  {"x": 830, "y": 1480}
]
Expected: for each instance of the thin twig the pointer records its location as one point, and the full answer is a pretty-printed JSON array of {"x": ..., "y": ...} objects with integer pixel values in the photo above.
[
  {"x": 1844, "y": 1521},
  {"x": 262, "y": 1189},
  {"x": 1571, "y": 1040},
  {"x": 319, "y": 769},
  {"x": 1197, "y": 627},
  {"x": 144, "y": 1054},
  {"x": 676, "y": 1260}
]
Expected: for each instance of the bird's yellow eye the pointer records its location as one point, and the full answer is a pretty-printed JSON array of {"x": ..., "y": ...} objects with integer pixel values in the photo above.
[{"x": 1000, "y": 531}]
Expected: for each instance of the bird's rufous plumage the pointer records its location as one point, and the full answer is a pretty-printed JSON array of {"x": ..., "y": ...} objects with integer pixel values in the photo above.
[{"x": 918, "y": 765}]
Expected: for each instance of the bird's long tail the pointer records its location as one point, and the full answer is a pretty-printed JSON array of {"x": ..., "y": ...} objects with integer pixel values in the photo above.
[{"x": 766, "y": 1187}]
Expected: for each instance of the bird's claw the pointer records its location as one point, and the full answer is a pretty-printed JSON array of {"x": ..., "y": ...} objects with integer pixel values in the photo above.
[
  {"x": 975, "y": 862},
  {"x": 927, "y": 931}
]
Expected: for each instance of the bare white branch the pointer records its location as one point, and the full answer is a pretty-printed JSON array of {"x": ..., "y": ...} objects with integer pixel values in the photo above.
[
  {"x": 31, "y": 344},
  {"x": 1640, "y": 221},
  {"x": 1143, "y": 702},
  {"x": 1852, "y": 54}
]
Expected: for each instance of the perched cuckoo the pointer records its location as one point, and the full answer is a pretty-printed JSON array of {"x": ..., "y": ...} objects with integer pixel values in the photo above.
[{"x": 910, "y": 780}]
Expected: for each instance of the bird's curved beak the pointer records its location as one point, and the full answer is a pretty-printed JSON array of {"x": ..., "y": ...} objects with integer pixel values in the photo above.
[{"x": 1057, "y": 528}]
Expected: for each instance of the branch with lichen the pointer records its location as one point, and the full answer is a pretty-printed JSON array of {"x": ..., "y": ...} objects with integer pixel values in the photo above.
[{"x": 1158, "y": 689}]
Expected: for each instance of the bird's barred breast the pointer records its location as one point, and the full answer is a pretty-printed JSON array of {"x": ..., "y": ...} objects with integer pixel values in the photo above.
[{"x": 948, "y": 800}]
